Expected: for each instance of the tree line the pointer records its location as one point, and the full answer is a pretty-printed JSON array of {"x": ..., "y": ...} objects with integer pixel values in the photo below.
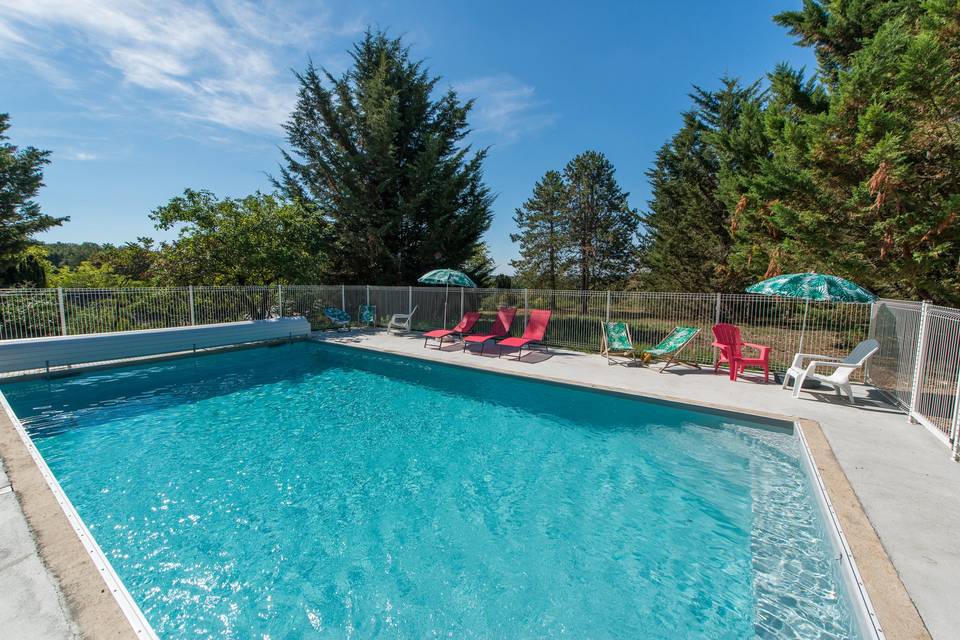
[{"x": 853, "y": 169}]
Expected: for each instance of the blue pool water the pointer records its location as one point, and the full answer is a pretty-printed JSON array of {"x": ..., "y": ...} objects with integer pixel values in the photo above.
[{"x": 316, "y": 491}]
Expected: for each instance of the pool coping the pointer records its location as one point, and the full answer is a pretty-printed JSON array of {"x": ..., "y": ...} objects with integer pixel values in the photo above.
[
  {"x": 897, "y": 615},
  {"x": 102, "y": 607}
]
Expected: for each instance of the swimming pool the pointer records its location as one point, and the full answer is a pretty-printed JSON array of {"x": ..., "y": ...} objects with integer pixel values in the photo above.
[{"x": 311, "y": 490}]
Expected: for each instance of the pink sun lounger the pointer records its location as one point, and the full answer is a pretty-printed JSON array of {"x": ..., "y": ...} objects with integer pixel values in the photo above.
[
  {"x": 464, "y": 327},
  {"x": 500, "y": 329},
  {"x": 536, "y": 329}
]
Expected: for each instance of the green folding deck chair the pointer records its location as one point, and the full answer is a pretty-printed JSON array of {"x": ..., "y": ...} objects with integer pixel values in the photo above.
[
  {"x": 367, "y": 314},
  {"x": 670, "y": 347},
  {"x": 615, "y": 342}
]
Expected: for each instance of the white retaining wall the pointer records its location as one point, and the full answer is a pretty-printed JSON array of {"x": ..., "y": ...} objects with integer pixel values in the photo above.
[{"x": 40, "y": 353}]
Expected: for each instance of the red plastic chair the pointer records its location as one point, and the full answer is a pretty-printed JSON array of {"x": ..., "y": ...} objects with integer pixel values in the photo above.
[{"x": 727, "y": 339}]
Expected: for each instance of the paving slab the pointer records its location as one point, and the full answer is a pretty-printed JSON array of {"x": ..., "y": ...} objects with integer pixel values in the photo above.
[{"x": 31, "y": 606}]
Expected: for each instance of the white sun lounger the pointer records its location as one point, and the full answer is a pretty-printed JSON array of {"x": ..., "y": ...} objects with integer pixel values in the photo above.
[
  {"x": 840, "y": 378},
  {"x": 400, "y": 322}
]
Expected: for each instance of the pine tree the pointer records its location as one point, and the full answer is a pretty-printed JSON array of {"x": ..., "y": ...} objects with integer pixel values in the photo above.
[
  {"x": 601, "y": 227},
  {"x": 543, "y": 235},
  {"x": 385, "y": 165},
  {"x": 21, "y": 176}
]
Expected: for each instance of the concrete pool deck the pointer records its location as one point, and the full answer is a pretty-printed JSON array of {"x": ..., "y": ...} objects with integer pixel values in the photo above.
[
  {"x": 901, "y": 474},
  {"x": 32, "y": 605},
  {"x": 868, "y": 455}
]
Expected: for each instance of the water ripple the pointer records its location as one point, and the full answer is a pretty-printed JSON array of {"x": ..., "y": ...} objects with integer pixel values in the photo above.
[{"x": 307, "y": 491}]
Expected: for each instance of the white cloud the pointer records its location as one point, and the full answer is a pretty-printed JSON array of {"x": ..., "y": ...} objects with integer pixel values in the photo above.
[
  {"x": 9, "y": 35},
  {"x": 14, "y": 46},
  {"x": 80, "y": 156},
  {"x": 505, "y": 107},
  {"x": 214, "y": 61}
]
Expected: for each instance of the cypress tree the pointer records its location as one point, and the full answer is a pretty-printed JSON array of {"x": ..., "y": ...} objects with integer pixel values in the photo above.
[
  {"x": 837, "y": 30},
  {"x": 853, "y": 171},
  {"x": 29, "y": 269},
  {"x": 687, "y": 233},
  {"x": 684, "y": 240},
  {"x": 21, "y": 177},
  {"x": 763, "y": 162},
  {"x": 860, "y": 177},
  {"x": 385, "y": 165}
]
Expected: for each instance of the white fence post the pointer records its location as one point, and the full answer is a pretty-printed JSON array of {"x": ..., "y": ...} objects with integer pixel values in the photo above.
[
  {"x": 526, "y": 309},
  {"x": 280, "y": 300},
  {"x": 918, "y": 363},
  {"x": 193, "y": 316},
  {"x": 608, "y": 306},
  {"x": 955, "y": 423},
  {"x": 871, "y": 333},
  {"x": 410, "y": 299},
  {"x": 63, "y": 313},
  {"x": 716, "y": 320},
  {"x": 343, "y": 298},
  {"x": 368, "y": 295}
]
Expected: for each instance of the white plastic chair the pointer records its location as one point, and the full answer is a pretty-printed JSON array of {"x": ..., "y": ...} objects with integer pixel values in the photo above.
[
  {"x": 840, "y": 378},
  {"x": 401, "y": 321}
]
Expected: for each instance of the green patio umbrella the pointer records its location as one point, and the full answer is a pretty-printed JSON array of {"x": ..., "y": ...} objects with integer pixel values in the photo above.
[
  {"x": 447, "y": 277},
  {"x": 812, "y": 286}
]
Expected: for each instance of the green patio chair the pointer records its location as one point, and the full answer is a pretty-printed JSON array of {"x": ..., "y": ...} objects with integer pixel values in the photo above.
[
  {"x": 368, "y": 315},
  {"x": 337, "y": 317},
  {"x": 615, "y": 342},
  {"x": 670, "y": 347}
]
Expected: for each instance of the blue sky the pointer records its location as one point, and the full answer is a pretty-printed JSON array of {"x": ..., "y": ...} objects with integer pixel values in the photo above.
[{"x": 139, "y": 100}]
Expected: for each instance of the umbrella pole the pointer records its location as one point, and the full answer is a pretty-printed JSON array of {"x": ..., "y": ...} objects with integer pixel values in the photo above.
[
  {"x": 446, "y": 296},
  {"x": 803, "y": 325}
]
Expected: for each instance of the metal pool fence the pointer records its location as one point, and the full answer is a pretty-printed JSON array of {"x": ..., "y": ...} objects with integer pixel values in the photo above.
[
  {"x": 918, "y": 366},
  {"x": 919, "y": 363}
]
